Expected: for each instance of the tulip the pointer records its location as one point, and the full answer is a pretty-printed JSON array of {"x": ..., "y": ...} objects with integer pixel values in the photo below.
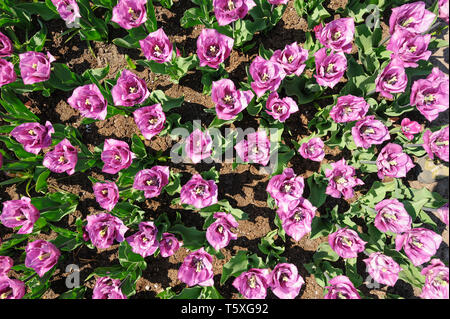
[
  {"x": 19, "y": 213},
  {"x": 255, "y": 149},
  {"x": 383, "y": 269},
  {"x": 219, "y": 232},
  {"x": 392, "y": 162},
  {"x": 419, "y": 244},
  {"x": 129, "y": 90},
  {"x": 280, "y": 109},
  {"x": 412, "y": 17},
  {"x": 286, "y": 187},
  {"x": 35, "y": 66},
  {"x": 266, "y": 75},
  {"x": 106, "y": 194},
  {"x": 409, "y": 47},
  {"x": 349, "y": 108},
  {"x": 150, "y": 120},
  {"x": 341, "y": 180},
  {"x": 107, "y": 288},
  {"x": 369, "y": 131},
  {"x": 152, "y": 180},
  {"x": 297, "y": 218},
  {"x": 11, "y": 288},
  {"x": 157, "y": 47},
  {"x": 63, "y": 158},
  {"x": 7, "y": 73},
  {"x": 292, "y": 59},
  {"x": 229, "y": 101},
  {"x": 144, "y": 242},
  {"x": 337, "y": 34},
  {"x": 213, "y": 48},
  {"x": 278, "y": 2},
  {"x": 199, "y": 192},
  {"x": 198, "y": 146},
  {"x": 168, "y": 245},
  {"x": 104, "y": 228},
  {"x": 68, "y": 10},
  {"x": 130, "y": 13},
  {"x": 6, "y": 264},
  {"x": 329, "y": 68},
  {"x": 227, "y": 11},
  {"x": 346, "y": 243},
  {"x": 443, "y": 213},
  {"x": 6, "y": 46},
  {"x": 34, "y": 136},
  {"x": 116, "y": 155},
  {"x": 443, "y": 10},
  {"x": 436, "y": 281},
  {"x": 409, "y": 128},
  {"x": 253, "y": 284},
  {"x": 197, "y": 269},
  {"x": 392, "y": 79},
  {"x": 89, "y": 101},
  {"x": 430, "y": 97},
  {"x": 392, "y": 216},
  {"x": 41, "y": 256},
  {"x": 436, "y": 143},
  {"x": 313, "y": 149},
  {"x": 285, "y": 281},
  {"x": 341, "y": 288}
]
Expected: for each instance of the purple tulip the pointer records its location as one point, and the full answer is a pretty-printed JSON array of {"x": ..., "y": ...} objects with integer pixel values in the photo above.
[
  {"x": 129, "y": 90},
  {"x": 409, "y": 128},
  {"x": 227, "y": 11},
  {"x": 341, "y": 288},
  {"x": 392, "y": 162},
  {"x": 369, "y": 131},
  {"x": 6, "y": 46},
  {"x": 337, "y": 34},
  {"x": 392, "y": 79},
  {"x": 104, "y": 228},
  {"x": 157, "y": 47},
  {"x": 130, "y": 13},
  {"x": 253, "y": 284},
  {"x": 346, "y": 243},
  {"x": 313, "y": 149},
  {"x": 198, "y": 146},
  {"x": 106, "y": 194},
  {"x": 41, "y": 256},
  {"x": 63, "y": 158},
  {"x": 7, "y": 73},
  {"x": 349, "y": 108},
  {"x": 392, "y": 216},
  {"x": 116, "y": 155},
  {"x": 278, "y": 2},
  {"x": 297, "y": 217},
  {"x": 286, "y": 187},
  {"x": 280, "y": 109},
  {"x": 168, "y": 245},
  {"x": 19, "y": 212},
  {"x": 412, "y": 17},
  {"x": 199, "y": 192},
  {"x": 107, "y": 288},
  {"x": 292, "y": 59},
  {"x": 197, "y": 269},
  {"x": 341, "y": 180},
  {"x": 6, "y": 264},
  {"x": 419, "y": 244},
  {"x": 213, "y": 48},
  {"x": 89, "y": 101},
  {"x": 34, "y": 136},
  {"x": 430, "y": 97},
  {"x": 219, "y": 232},
  {"x": 266, "y": 75},
  {"x": 150, "y": 120},
  {"x": 35, "y": 66},
  {"x": 285, "y": 281},
  {"x": 11, "y": 288},
  {"x": 383, "y": 269},
  {"x": 436, "y": 281},
  {"x": 255, "y": 149},
  {"x": 329, "y": 68},
  {"x": 409, "y": 47},
  {"x": 442, "y": 213},
  {"x": 229, "y": 101},
  {"x": 144, "y": 242},
  {"x": 68, "y": 10},
  {"x": 152, "y": 180},
  {"x": 443, "y": 10},
  {"x": 436, "y": 143}
]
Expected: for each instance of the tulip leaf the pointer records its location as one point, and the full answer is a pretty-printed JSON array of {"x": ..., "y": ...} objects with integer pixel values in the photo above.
[
  {"x": 237, "y": 265},
  {"x": 317, "y": 187},
  {"x": 166, "y": 102},
  {"x": 193, "y": 239},
  {"x": 75, "y": 293},
  {"x": 138, "y": 147},
  {"x": 189, "y": 293}
]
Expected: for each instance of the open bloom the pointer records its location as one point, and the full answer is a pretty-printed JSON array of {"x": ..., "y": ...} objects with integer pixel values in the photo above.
[
  {"x": 107, "y": 288},
  {"x": 89, "y": 101},
  {"x": 292, "y": 58},
  {"x": 392, "y": 162},
  {"x": 116, "y": 155},
  {"x": 6, "y": 46},
  {"x": 285, "y": 281},
  {"x": 349, "y": 108},
  {"x": 197, "y": 269},
  {"x": 436, "y": 143},
  {"x": 297, "y": 217},
  {"x": 199, "y": 192},
  {"x": 129, "y": 90},
  {"x": 313, "y": 149},
  {"x": 341, "y": 180},
  {"x": 443, "y": 10},
  {"x": 329, "y": 68},
  {"x": 150, "y": 120},
  {"x": 392, "y": 216},
  {"x": 11, "y": 288},
  {"x": 7, "y": 73},
  {"x": 409, "y": 128},
  {"x": 253, "y": 284},
  {"x": 19, "y": 213},
  {"x": 198, "y": 146},
  {"x": 219, "y": 232},
  {"x": 157, "y": 47},
  {"x": 41, "y": 256},
  {"x": 106, "y": 194},
  {"x": 369, "y": 131},
  {"x": 34, "y": 136},
  {"x": 63, "y": 158},
  {"x": 409, "y": 47},
  {"x": 392, "y": 79},
  {"x": 256, "y": 148},
  {"x": 346, "y": 243},
  {"x": 436, "y": 281},
  {"x": 341, "y": 288},
  {"x": 286, "y": 187},
  {"x": 383, "y": 269},
  {"x": 280, "y": 109},
  {"x": 213, "y": 48},
  {"x": 144, "y": 242},
  {"x": 337, "y": 34},
  {"x": 68, "y": 10},
  {"x": 130, "y": 13},
  {"x": 419, "y": 244},
  {"x": 6, "y": 263},
  {"x": 412, "y": 17},
  {"x": 229, "y": 101},
  {"x": 152, "y": 180},
  {"x": 168, "y": 245},
  {"x": 443, "y": 213},
  {"x": 266, "y": 75},
  {"x": 35, "y": 66},
  {"x": 104, "y": 228},
  {"x": 227, "y": 11}
]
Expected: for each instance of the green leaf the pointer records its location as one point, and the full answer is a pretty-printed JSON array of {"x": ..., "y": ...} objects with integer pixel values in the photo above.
[
  {"x": 210, "y": 292},
  {"x": 166, "y": 102},
  {"x": 189, "y": 293},
  {"x": 317, "y": 187},
  {"x": 193, "y": 239},
  {"x": 62, "y": 78},
  {"x": 41, "y": 183},
  {"x": 75, "y": 293},
  {"x": 237, "y": 265},
  {"x": 127, "y": 258},
  {"x": 320, "y": 227},
  {"x": 212, "y": 174},
  {"x": 151, "y": 23},
  {"x": 138, "y": 147},
  {"x": 325, "y": 252},
  {"x": 16, "y": 108},
  {"x": 168, "y": 293}
]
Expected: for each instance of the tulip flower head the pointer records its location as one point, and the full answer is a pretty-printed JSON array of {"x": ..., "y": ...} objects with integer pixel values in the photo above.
[
  {"x": 19, "y": 213},
  {"x": 197, "y": 269},
  {"x": 63, "y": 158},
  {"x": 152, "y": 180},
  {"x": 33, "y": 136},
  {"x": 41, "y": 256}
]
